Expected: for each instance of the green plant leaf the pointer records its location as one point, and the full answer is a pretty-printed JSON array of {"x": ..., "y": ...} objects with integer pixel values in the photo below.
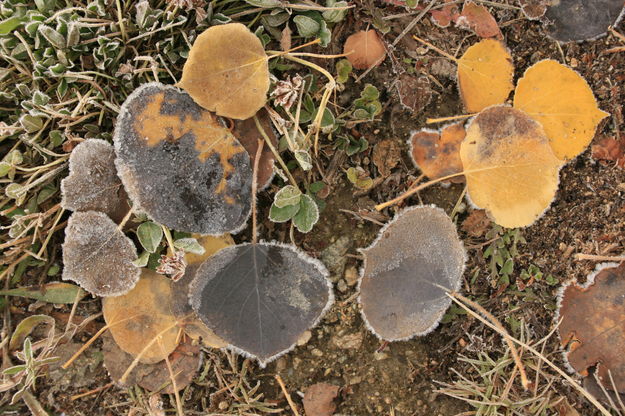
[
  {"x": 335, "y": 16},
  {"x": 283, "y": 214},
  {"x": 56, "y": 292},
  {"x": 307, "y": 27},
  {"x": 189, "y": 245},
  {"x": 142, "y": 260},
  {"x": 307, "y": 216},
  {"x": 10, "y": 24},
  {"x": 304, "y": 159},
  {"x": 26, "y": 326},
  {"x": 266, "y": 4},
  {"x": 289, "y": 195},
  {"x": 343, "y": 69},
  {"x": 150, "y": 235}
]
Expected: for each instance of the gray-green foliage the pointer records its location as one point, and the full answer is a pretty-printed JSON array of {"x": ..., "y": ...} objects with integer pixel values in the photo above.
[{"x": 291, "y": 204}]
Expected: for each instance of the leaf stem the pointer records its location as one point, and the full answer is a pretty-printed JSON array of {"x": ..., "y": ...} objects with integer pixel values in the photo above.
[
  {"x": 450, "y": 118},
  {"x": 274, "y": 151},
  {"x": 259, "y": 151}
]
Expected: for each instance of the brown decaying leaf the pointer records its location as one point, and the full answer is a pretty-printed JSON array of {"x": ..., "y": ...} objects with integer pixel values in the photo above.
[
  {"x": 438, "y": 154},
  {"x": 386, "y": 155},
  {"x": 92, "y": 183},
  {"x": 365, "y": 49},
  {"x": 610, "y": 149},
  {"x": 485, "y": 74},
  {"x": 285, "y": 39},
  {"x": 144, "y": 317},
  {"x": 414, "y": 92},
  {"x": 509, "y": 166},
  {"x": 534, "y": 9},
  {"x": 477, "y": 18},
  {"x": 319, "y": 399},
  {"x": 185, "y": 361},
  {"x": 444, "y": 16},
  {"x": 98, "y": 256},
  {"x": 593, "y": 325},
  {"x": 227, "y": 71},
  {"x": 476, "y": 224},
  {"x": 577, "y": 20}
]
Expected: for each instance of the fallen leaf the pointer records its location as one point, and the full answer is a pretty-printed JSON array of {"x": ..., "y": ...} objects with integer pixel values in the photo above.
[
  {"x": 92, "y": 183},
  {"x": 141, "y": 321},
  {"x": 54, "y": 292},
  {"x": 445, "y": 15},
  {"x": 561, "y": 100},
  {"x": 260, "y": 297},
  {"x": 319, "y": 399},
  {"x": 26, "y": 327},
  {"x": 477, "y": 223},
  {"x": 247, "y": 134},
  {"x": 184, "y": 361},
  {"x": 592, "y": 325},
  {"x": 415, "y": 260},
  {"x": 179, "y": 165},
  {"x": 227, "y": 71},
  {"x": 485, "y": 75},
  {"x": 477, "y": 18},
  {"x": 98, "y": 256},
  {"x": 365, "y": 49},
  {"x": 386, "y": 155},
  {"x": 599, "y": 392},
  {"x": 414, "y": 92},
  {"x": 577, "y": 20},
  {"x": 359, "y": 177},
  {"x": 438, "y": 154},
  {"x": 610, "y": 149},
  {"x": 285, "y": 39},
  {"x": 534, "y": 9},
  {"x": 509, "y": 166}
]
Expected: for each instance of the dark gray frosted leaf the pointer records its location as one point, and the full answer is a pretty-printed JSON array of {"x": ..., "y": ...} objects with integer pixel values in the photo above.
[
  {"x": 179, "y": 164},
  {"x": 93, "y": 184},
  {"x": 98, "y": 256},
  {"x": 260, "y": 297},
  {"x": 577, "y": 20},
  {"x": 416, "y": 258}
]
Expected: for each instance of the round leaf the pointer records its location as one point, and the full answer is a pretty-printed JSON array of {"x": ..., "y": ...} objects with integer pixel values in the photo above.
[
  {"x": 485, "y": 75},
  {"x": 407, "y": 271},
  {"x": 438, "y": 154},
  {"x": 307, "y": 215},
  {"x": 179, "y": 165},
  {"x": 260, "y": 297},
  {"x": 509, "y": 166},
  {"x": 150, "y": 235},
  {"x": 561, "y": 100},
  {"x": 577, "y": 20},
  {"x": 227, "y": 71},
  {"x": 365, "y": 49}
]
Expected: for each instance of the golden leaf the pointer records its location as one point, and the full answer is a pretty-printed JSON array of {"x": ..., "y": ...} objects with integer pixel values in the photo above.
[
  {"x": 509, "y": 166},
  {"x": 485, "y": 75},
  {"x": 141, "y": 321},
  {"x": 561, "y": 100},
  {"x": 227, "y": 71}
]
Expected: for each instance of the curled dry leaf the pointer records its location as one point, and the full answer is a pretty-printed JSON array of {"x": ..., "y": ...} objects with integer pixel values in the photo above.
[
  {"x": 319, "y": 399},
  {"x": 414, "y": 92},
  {"x": 179, "y": 165},
  {"x": 477, "y": 18},
  {"x": 141, "y": 321},
  {"x": 189, "y": 320},
  {"x": 561, "y": 100},
  {"x": 365, "y": 49},
  {"x": 247, "y": 134},
  {"x": 407, "y": 271},
  {"x": 610, "y": 149},
  {"x": 386, "y": 155},
  {"x": 93, "y": 184},
  {"x": 577, "y": 20},
  {"x": 185, "y": 361},
  {"x": 534, "y": 9},
  {"x": 485, "y": 75},
  {"x": 98, "y": 256},
  {"x": 593, "y": 325},
  {"x": 445, "y": 15},
  {"x": 227, "y": 71},
  {"x": 261, "y": 297},
  {"x": 438, "y": 154},
  {"x": 509, "y": 166}
]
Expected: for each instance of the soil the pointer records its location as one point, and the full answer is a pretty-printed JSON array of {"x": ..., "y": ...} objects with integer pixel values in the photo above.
[{"x": 401, "y": 378}]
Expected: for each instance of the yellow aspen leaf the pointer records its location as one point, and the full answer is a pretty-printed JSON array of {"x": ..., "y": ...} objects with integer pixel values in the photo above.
[
  {"x": 561, "y": 100},
  {"x": 509, "y": 166},
  {"x": 227, "y": 71},
  {"x": 485, "y": 75},
  {"x": 141, "y": 321}
]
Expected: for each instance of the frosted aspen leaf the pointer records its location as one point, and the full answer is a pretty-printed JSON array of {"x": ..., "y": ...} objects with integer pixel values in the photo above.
[
  {"x": 93, "y": 184},
  {"x": 227, "y": 71},
  {"x": 261, "y": 297},
  {"x": 179, "y": 165},
  {"x": 141, "y": 321},
  {"x": 98, "y": 256},
  {"x": 416, "y": 259},
  {"x": 577, "y": 20}
]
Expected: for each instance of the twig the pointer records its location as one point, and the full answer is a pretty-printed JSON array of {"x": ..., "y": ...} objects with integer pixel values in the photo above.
[
  {"x": 259, "y": 151},
  {"x": 286, "y": 393},
  {"x": 592, "y": 257},
  {"x": 90, "y": 392},
  {"x": 412, "y": 24}
]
